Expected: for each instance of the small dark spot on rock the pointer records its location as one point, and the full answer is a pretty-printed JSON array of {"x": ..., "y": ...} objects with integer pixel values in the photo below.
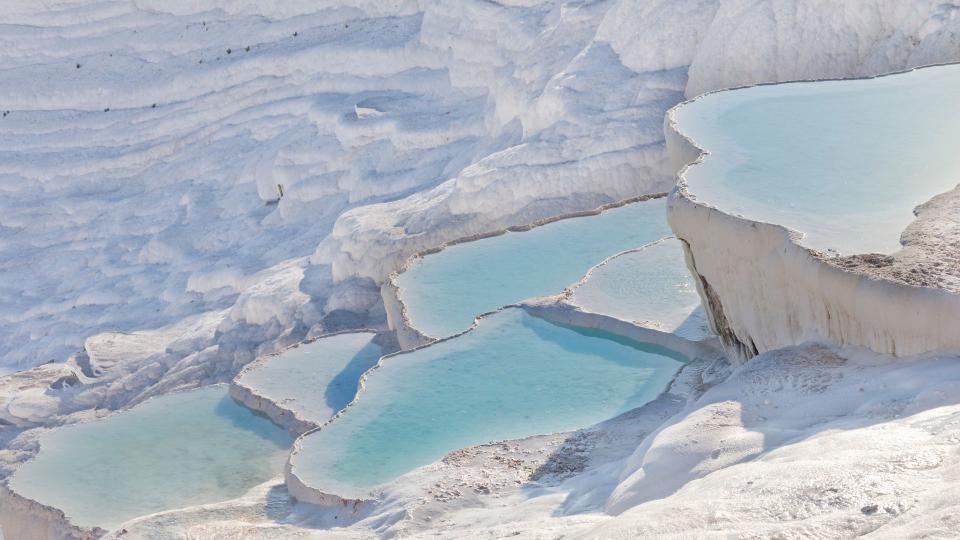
[
  {"x": 295, "y": 34},
  {"x": 64, "y": 382},
  {"x": 78, "y": 66},
  {"x": 870, "y": 509},
  {"x": 154, "y": 106},
  {"x": 107, "y": 109},
  {"x": 248, "y": 48},
  {"x": 229, "y": 51}
]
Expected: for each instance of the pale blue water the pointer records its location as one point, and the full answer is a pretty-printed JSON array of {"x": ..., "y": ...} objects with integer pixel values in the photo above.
[
  {"x": 513, "y": 376},
  {"x": 177, "y": 450},
  {"x": 651, "y": 285},
  {"x": 316, "y": 379},
  {"x": 843, "y": 161},
  {"x": 444, "y": 291}
]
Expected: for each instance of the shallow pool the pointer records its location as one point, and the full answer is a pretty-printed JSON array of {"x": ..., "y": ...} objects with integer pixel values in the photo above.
[
  {"x": 844, "y": 162},
  {"x": 315, "y": 380},
  {"x": 182, "y": 449},
  {"x": 443, "y": 292},
  {"x": 513, "y": 376},
  {"x": 650, "y": 285}
]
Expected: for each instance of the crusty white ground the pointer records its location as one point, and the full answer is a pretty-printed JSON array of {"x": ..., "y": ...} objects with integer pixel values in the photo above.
[{"x": 147, "y": 242}]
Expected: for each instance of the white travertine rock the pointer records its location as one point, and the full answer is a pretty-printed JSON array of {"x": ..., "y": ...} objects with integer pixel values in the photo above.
[{"x": 763, "y": 291}]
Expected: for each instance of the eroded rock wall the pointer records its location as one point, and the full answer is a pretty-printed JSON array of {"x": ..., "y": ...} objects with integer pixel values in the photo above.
[{"x": 763, "y": 291}]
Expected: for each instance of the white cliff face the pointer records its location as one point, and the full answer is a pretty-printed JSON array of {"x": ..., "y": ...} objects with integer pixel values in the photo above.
[
  {"x": 819, "y": 39},
  {"x": 763, "y": 291}
]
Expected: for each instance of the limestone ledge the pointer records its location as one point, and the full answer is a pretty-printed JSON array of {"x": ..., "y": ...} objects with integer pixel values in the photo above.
[{"x": 762, "y": 290}]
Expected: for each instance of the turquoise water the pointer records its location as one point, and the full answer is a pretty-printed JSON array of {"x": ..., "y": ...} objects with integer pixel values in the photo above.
[
  {"x": 651, "y": 285},
  {"x": 316, "y": 379},
  {"x": 444, "y": 291},
  {"x": 844, "y": 162},
  {"x": 514, "y": 376},
  {"x": 177, "y": 450}
]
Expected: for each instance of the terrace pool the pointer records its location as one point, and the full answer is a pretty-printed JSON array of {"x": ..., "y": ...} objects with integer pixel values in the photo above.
[
  {"x": 513, "y": 376},
  {"x": 844, "y": 162},
  {"x": 649, "y": 285},
  {"x": 315, "y": 380},
  {"x": 445, "y": 291},
  {"x": 181, "y": 449}
]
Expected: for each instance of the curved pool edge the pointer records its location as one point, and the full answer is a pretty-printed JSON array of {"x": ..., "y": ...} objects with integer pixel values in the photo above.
[
  {"x": 569, "y": 291},
  {"x": 555, "y": 310},
  {"x": 29, "y": 519},
  {"x": 22, "y": 517},
  {"x": 398, "y": 318},
  {"x": 284, "y": 417},
  {"x": 300, "y": 489},
  {"x": 551, "y": 309},
  {"x": 763, "y": 290}
]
